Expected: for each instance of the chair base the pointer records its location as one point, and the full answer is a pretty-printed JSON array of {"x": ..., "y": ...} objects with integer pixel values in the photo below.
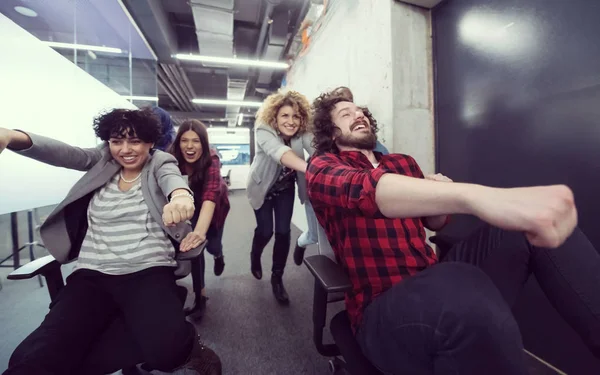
[
  {"x": 354, "y": 361},
  {"x": 336, "y": 365}
]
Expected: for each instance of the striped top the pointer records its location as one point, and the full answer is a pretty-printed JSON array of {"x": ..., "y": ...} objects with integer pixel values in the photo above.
[{"x": 122, "y": 236}]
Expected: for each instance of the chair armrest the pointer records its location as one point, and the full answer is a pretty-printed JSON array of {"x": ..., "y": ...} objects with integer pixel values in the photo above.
[
  {"x": 40, "y": 266},
  {"x": 192, "y": 254},
  {"x": 328, "y": 274},
  {"x": 445, "y": 241},
  {"x": 330, "y": 280}
]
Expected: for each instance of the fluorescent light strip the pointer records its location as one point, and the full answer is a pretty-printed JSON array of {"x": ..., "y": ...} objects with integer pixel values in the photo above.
[
  {"x": 83, "y": 47},
  {"x": 232, "y": 61},
  {"x": 222, "y": 102},
  {"x": 145, "y": 98}
]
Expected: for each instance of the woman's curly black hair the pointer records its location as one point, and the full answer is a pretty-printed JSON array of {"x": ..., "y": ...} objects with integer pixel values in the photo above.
[
  {"x": 323, "y": 128},
  {"x": 119, "y": 123}
]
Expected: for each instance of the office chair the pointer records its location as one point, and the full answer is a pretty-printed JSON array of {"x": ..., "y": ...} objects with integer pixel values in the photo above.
[
  {"x": 331, "y": 282},
  {"x": 50, "y": 269},
  {"x": 227, "y": 177}
]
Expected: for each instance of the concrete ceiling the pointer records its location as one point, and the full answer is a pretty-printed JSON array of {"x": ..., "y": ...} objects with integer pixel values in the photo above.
[{"x": 240, "y": 28}]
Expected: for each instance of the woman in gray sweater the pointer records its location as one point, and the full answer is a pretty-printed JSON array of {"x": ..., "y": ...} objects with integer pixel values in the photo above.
[{"x": 281, "y": 139}]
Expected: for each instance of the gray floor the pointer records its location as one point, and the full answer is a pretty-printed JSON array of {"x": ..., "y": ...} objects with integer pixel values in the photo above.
[{"x": 243, "y": 323}]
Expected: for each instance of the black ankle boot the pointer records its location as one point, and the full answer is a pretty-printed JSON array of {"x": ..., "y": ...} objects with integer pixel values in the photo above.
[
  {"x": 258, "y": 244},
  {"x": 299, "y": 254},
  {"x": 278, "y": 290},
  {"x": 281, "y": 249},
  {"x": 219, "y": 265}
]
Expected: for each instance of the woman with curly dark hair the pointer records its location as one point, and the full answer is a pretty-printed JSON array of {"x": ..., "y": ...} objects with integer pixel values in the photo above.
[
  {"x": 202, "y": 166},
  {"x": 121, "y": 221},
  {"x": 281, "y": 138}
]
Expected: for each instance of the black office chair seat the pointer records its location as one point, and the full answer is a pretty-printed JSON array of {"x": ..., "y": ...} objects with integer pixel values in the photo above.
[{"x": 344, "y": 338}]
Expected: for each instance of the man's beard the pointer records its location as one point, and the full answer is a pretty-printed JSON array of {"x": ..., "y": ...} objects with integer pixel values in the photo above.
[{"x": 362, "y": 142}]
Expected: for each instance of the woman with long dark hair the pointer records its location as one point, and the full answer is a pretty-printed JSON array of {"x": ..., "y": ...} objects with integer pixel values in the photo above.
[{"x": 202, "y": 167}]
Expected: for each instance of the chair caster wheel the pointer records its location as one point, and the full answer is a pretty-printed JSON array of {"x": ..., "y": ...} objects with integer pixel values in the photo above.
[{"x": 335, "y": 365}]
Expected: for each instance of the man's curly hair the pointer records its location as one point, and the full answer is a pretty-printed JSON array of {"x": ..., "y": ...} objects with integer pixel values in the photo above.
[
  {"x": 323, "y": 127},
  {"x": 119, "y": 123},
  {"x": 268, "y": 112}
]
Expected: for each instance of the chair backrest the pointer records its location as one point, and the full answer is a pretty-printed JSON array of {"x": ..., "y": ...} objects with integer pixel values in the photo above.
[{"x": 324, "y": 245}]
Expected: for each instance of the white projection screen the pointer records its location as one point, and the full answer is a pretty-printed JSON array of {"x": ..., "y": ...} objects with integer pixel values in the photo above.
[{"x": 44, "y": 93}]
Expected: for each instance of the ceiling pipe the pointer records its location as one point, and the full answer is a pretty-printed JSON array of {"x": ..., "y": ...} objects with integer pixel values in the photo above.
[
  {"x": 176, "y": 86},
  {"x": 179, "y": 79},
  {"x": 169, "y": 92},
  {"x": 183, "y": 102},
  {"x": 260, "y": 45},
  {"x": 299, "y": 19},
  {"x": 186, "y": 82}
]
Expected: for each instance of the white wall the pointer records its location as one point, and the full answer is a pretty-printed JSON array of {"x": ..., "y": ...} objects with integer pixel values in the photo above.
[
  {"x": 241, "y": 136},
  {"x": 44, "y": 93},
  {"x": 381, "y": 51}
]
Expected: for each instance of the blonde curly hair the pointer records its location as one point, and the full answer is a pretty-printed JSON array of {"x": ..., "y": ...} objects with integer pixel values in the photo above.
[{"x": 267, "y": 114}]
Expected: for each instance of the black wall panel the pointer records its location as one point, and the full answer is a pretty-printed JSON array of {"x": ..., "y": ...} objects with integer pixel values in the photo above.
[{"x": 517, "y": 94}]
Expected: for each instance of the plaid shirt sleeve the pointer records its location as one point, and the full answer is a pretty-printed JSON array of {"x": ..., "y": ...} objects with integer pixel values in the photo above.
[
  {"x": 212, "y": 186},
  {"x": 333, "y": 184}
]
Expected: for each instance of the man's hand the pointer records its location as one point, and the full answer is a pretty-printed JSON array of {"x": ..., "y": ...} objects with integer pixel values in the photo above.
[
  {"x": 192, "y": 240},
  {"x": 547, "y": 214},
  {"x": 5, "y": 138},
  {"x": 178, "y": 210},
  {"x": 438, "y": 177}
]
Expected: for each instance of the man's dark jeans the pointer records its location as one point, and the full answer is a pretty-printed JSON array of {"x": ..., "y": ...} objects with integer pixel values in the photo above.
[{"x": 455, "y": 317}]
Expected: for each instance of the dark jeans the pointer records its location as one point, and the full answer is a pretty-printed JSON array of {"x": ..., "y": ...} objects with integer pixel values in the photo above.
[
  {"x": 70, "y": 338},
  {"x": 280, "y": 208},
  {"x": 214, "y": 246},
  {"x": 276, "y": 212},
  {"x": 455, "y": 317}
]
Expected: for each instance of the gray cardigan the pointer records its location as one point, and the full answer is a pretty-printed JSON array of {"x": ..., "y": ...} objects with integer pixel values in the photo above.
[
  {"x": 266, "y": 165},
  {"x": 65, "y": 228}
]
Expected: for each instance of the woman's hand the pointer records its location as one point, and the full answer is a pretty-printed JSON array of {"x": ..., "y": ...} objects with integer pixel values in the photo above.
[
  {"x": 178, "y": 210},
  {"x": 15, "y": 139},
  {"x": 5, "y": 138},
  {"x": 192, "y": 240}
]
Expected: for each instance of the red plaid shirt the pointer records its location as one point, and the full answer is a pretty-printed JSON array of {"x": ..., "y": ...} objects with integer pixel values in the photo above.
[
  {"x": 215, "y": 190},
  {"x": 376, "y": 252}
]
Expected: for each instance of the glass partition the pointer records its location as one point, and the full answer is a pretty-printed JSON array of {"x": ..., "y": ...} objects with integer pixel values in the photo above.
[{"x": 99, "y": 36}]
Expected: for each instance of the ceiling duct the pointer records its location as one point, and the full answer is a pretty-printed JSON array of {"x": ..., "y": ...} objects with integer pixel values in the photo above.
[
  {"x": 214, "y": 27},
  {"x": 276, "y": 41},
  {"x": 236, "y": 90}
]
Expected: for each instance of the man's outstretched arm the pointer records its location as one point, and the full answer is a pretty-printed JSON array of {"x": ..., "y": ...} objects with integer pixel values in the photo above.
[{"x": 547, "y": 214}]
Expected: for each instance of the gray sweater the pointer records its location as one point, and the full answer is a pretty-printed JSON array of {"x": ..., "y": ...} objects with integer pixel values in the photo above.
[
  {"x": 64, "y": 230},
  {"x": 266, "y": 165}
]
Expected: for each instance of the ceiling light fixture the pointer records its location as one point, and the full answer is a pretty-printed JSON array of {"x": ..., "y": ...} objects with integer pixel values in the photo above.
[
  {"x": 144, "y": 98},
  {"x": 26, "y": 11},
  {"x": 240, "y": 119},
  {"x": 232, "y": 61},
  {"x": 224, "y": 102},
  {"x": 83, "y": 47}
]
